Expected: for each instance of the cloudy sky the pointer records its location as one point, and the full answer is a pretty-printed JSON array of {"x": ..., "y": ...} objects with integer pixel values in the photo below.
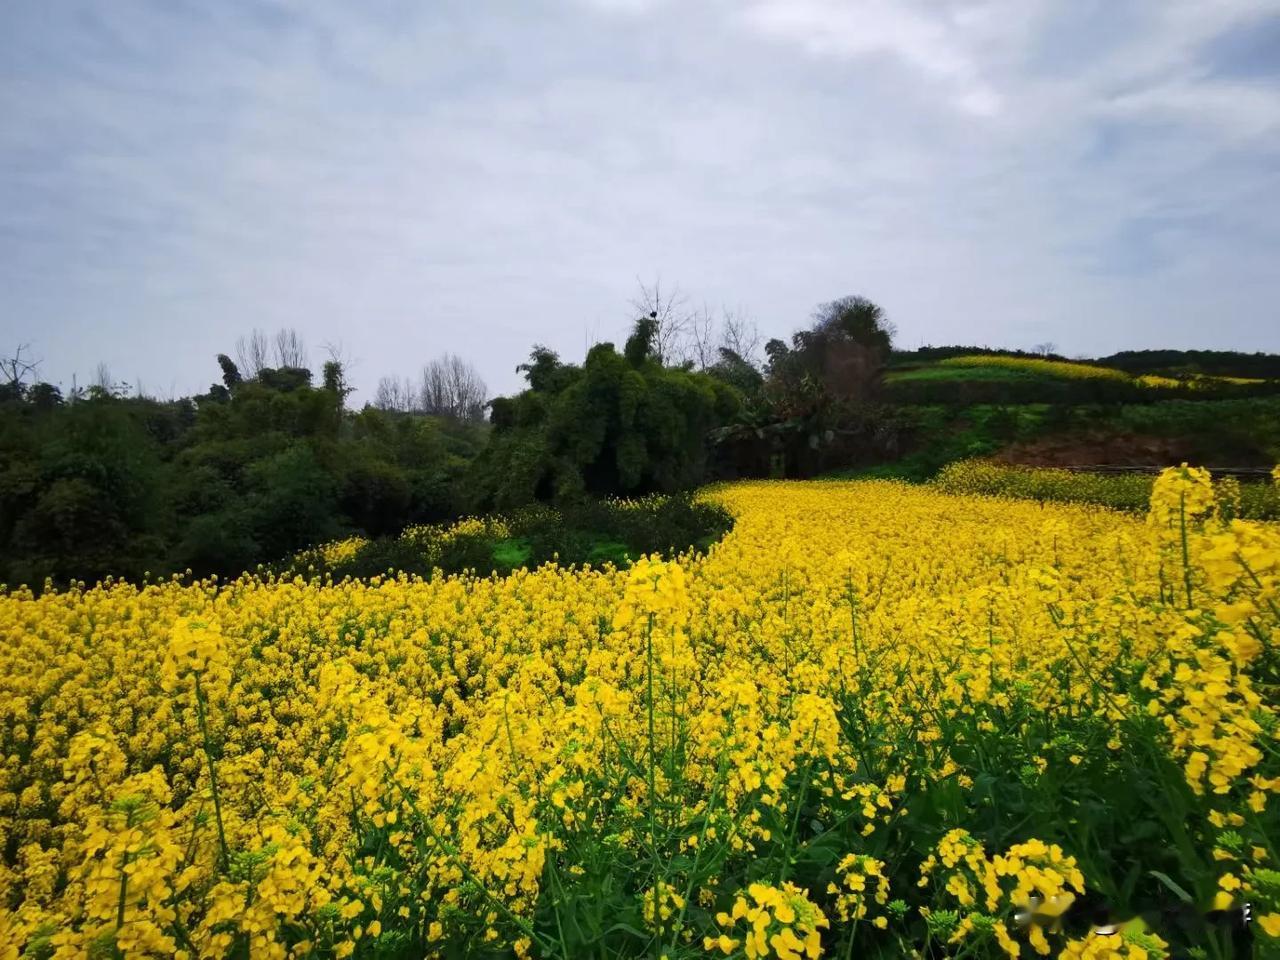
[{"x": 409, "y": 178}]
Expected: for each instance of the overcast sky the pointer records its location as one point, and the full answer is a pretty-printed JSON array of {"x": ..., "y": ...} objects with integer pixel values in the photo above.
[{"x": 409, "y": 178}]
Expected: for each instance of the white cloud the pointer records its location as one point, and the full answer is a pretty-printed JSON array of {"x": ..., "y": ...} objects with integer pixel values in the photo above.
[
  {"x": 918, "y": 36},
  {"x": 474, "y": 178}
]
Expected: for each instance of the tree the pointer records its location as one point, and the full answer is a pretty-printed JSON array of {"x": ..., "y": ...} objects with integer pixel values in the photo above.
[
  {"x": 451, "y": 387},
  {"x": 395, "y": 394},
  {"x": 467, "y": 390},
  {"x": 253, "y": 353},
  {"x": 841, "y": 357},
  {"x": 544, "y": 371},
  {"x": 105, "y": 386},
  {"x": 669, "y": 309},
  {"x": 120, "y": 484},
  {"x": 291, "y": 349},
  {"x": 95, "y": 506},
  {"x": 335, "y": 380},
  {"x": 292, "y": 501},
  {"x": 44, "y": 396},
  {"x": 707, "y": 336},
  {"x": 740, "y": 335},
  {"x": 15, "y": 370},
  {"x": 701, "y": 338},
  {"x": 447, "y": 387},
  {"x": 619, "y": 424},
  {"x": 858, "y": 320},
  {"x": 814, "y": 401},
  {"x": 230, "y": 373},
  {"x": 740, "y": 374},
  {"x": 640, "y": 345}
]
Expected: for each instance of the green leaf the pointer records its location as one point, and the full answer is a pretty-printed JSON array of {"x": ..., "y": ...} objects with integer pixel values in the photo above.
[
  {"x": 627, "y": 928},
  {"x": 1168, "y": 882}
]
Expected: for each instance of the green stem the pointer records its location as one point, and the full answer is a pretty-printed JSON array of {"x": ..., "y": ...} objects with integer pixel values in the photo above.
[
  {"x": 795, "y": 821},
  {"x": 721, "y": 770},
  {"x": 224, "y": 855},
  {"x": 1186, "y": 553},
  {"x": 524, "y": 926},
  {"x": 653, "y": 756},
  {"x": 124, "y": 876}
]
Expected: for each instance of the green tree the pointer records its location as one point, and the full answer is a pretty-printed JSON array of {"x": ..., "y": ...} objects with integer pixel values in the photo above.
[
  {"x": 617, "y": 424},
  {"x": 246, "y": 473}
]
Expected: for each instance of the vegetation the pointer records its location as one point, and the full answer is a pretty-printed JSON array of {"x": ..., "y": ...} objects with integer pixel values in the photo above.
[
  {"x": 1178, "y": 364},
  {"x": 107, "y": 482},
  {"x": 621, "y": 424},
  {"x": 1001, "y": 372},
  {"x": 575, "y": 534},
  {"x": 1131, "y": 491},
  {"x": 959, "y": 376},
  {"x": 818, "y": 401},
  {"x": 100, "y": 483},
  {"x": 1185, "y": 363},
  {"x": 876, "y": 720},
  {"x": 1037, "y": 365}
]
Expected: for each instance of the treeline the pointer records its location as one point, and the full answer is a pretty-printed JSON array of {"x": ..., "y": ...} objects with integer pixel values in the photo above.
[
  {"x": 931, "y": 354},
  {"x": 666, "y": 414},
  {"x": 105, "y": 482},
  {"x": 1190, "y": 363}
]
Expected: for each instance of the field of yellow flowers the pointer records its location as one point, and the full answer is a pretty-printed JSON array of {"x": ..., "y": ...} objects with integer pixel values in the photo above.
[{"x": 875, "y": 720}]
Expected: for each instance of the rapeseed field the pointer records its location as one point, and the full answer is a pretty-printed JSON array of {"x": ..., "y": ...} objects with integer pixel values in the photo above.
[{"x": 874, "y": 720}]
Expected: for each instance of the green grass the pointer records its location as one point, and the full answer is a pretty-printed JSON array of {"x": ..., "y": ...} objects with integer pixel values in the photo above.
[
  {"x": 511, "y": 553},
  {"x": 609, "y": 551}
]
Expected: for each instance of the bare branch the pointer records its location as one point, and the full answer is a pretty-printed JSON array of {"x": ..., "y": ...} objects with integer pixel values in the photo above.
[
  {"x": 291, "y": 349},
  {"x": 670, "y": 309},
  {"x": 451, "y": 387},
  {"x": 394, "y": 393},
  {"x": 252, "y": 354},
  {"x": 701, "y": 330},
  {"x": 339, "y": 352},
  {"x": 15, "y": 370},
  {"x": 739, "y": 333}
]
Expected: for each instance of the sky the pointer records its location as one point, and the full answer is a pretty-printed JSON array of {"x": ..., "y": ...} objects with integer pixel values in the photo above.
[{"x": 403, "y": 179}]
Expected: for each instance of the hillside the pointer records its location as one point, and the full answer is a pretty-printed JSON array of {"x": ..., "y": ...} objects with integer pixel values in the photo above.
[{"x": 1145, "y": 409}]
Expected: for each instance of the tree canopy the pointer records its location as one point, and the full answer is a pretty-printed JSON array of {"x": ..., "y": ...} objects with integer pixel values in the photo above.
[
  {"x": 618, "y": 424},
  {"x": 257, "y": 467}
]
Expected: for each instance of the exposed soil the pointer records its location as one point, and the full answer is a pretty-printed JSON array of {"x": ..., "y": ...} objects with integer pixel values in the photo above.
[{"x": 1102, "y": 449}]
